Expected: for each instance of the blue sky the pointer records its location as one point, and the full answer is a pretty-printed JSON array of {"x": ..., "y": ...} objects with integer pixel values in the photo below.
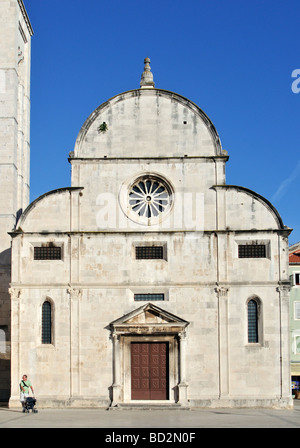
[{"x": 236, "y": 59}]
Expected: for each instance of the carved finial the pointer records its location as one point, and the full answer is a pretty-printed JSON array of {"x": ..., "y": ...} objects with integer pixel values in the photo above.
[{"x": 147, "y": 76}]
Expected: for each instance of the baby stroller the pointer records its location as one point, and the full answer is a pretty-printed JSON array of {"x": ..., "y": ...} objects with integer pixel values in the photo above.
[{"x": 30, "y": 405}]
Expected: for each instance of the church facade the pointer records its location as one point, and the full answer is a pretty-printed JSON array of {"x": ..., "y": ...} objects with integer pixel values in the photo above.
[{"x": 149, "y": 279}]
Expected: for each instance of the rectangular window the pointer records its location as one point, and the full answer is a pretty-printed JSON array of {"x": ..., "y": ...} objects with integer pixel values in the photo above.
[
  {"x": 149, "y": 252},
  {"x": 295, "y": 279},
  {"x": 297, "y": 310},
  {"x": 3, "y": 338},
  {"x": 47, "y": 253},
  {"x": 147, "y": 297},
  {"x": 297, "y": 344},
  {"x": 252, "y": 251}
]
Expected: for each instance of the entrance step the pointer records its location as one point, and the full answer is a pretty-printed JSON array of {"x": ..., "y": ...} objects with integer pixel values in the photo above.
[{"x": 146, "y": 406}]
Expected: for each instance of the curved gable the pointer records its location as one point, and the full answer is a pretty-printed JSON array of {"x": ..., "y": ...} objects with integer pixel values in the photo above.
[
  {"x": 247, "y": 210},
  {"x": 49, "y": 212},
  {"x": 147, "y": 123}
]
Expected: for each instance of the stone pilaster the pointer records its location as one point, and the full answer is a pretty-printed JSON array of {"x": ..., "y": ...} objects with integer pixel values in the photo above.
[
  {"x": 15, "y": 295},
  {"x": 75, "y": 298},
  {"x": 223, "y": 342},
  {"x": 116, "y": 386},
  {"x": 183, "y": 385}
]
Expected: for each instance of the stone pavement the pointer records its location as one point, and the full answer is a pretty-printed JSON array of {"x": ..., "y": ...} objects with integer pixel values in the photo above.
[{"x": 152, "y": 420}]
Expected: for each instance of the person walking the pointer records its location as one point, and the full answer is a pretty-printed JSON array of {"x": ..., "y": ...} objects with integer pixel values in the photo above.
[{"x": 25, "y": 385}]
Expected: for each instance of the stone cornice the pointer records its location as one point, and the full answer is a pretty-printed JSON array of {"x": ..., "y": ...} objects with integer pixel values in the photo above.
[{"x": 25, "y": 16}]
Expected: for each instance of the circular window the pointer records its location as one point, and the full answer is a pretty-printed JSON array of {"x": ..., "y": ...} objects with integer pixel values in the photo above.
[{"x": 149, "y": 198}]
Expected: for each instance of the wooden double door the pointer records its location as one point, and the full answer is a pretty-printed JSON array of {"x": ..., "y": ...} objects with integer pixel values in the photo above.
[{"x": 149, "y": 371}]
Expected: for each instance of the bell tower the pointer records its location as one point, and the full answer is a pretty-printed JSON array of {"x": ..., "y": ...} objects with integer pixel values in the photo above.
[{"x": 15, "y": 51}]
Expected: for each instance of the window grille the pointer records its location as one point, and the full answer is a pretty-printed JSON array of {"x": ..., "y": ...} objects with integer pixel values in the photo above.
[
  {"x": 47, "y": 253},
  {"x": 156, "y": 297},
  {"x": 252, "y": 251},
  {"x": 252, "y": 322},
  {"x": 46, "y": 323},
  {"x": 149, "y": 252}
]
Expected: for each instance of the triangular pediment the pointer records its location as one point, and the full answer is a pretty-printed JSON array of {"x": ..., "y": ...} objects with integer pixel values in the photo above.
[{"x": 149, "y": 317}]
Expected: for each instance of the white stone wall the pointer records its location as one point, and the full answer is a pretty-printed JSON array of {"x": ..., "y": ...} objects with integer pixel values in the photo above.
[
  {"x": 15, "y": 53},
  {"x": 204, "y": 282},
  {"x": 151, "y": 123},
  {"x": 15, "y": 47}
]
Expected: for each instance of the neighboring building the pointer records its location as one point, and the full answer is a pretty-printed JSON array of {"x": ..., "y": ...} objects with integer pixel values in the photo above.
[
  {"x": 294, "y": 271},
  {"x": 149, "y": 278},
  {"x": 15, "y": 42}
]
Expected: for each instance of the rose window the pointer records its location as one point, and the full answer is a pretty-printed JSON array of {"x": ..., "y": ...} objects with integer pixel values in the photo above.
[{"x": 149, "y": 197}]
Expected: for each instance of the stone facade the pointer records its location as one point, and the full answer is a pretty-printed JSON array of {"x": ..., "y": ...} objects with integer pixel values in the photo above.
[
  {"x": 15, "y": 48},
  {"x": 147, "y": 253}
]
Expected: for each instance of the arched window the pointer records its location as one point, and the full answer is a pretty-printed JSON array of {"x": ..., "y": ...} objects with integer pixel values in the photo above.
[
  {"x": 46, "y": 323},
  {"x": 252, "y": 321}
]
